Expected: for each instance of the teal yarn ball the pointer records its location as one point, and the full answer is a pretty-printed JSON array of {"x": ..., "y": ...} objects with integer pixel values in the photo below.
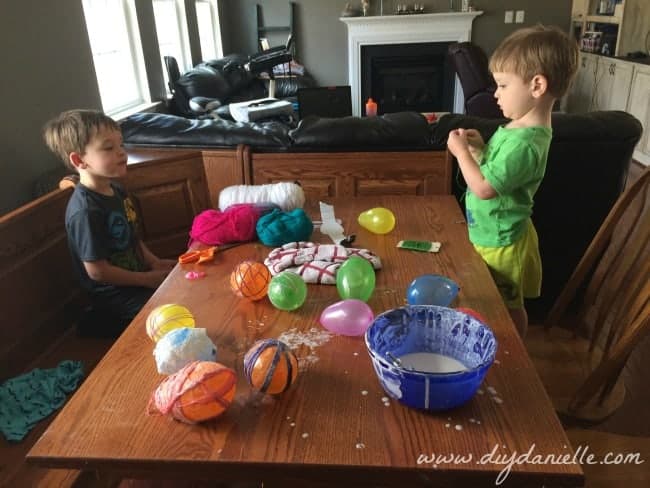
[
  {"x": 278, "y": 228},
  {"x": 287, "y": 291}
]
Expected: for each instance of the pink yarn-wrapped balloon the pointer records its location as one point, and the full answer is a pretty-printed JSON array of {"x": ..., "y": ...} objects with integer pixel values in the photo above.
[{"x": 235, "y": 224}]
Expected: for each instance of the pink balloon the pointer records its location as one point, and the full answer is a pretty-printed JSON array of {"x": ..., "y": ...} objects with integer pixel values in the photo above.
[{"x": 350, "y": 317}]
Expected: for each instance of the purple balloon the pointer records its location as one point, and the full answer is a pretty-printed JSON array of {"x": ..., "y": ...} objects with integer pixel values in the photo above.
[{"x": 350, "y": 317}]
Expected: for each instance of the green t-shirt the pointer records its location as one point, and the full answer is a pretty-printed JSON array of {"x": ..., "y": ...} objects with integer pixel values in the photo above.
[{"x": 513, "y": 162}]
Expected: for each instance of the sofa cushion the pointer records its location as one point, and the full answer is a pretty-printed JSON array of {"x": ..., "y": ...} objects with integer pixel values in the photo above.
[
  {"x": 170, "y": 130},
  {"x": 397, "y": 130}
]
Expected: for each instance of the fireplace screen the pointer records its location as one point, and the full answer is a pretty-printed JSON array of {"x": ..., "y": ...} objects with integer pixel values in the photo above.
[{"x": 403, "y": 77}]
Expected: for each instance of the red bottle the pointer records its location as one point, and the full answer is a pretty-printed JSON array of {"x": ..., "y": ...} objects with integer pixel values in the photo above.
[{"x": 371, "y": 108}]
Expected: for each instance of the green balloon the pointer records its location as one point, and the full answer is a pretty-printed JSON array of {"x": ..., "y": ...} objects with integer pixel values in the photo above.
[
  {"x": 287, "y": 291},
  {"x": 355, "y": 279}
]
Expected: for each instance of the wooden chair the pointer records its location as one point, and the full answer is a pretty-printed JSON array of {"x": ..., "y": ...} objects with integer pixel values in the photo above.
[{"x": 602, "y": 313}]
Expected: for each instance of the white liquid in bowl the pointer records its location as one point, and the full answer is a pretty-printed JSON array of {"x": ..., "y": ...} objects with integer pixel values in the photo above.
[{"x": 431, "y": 362}]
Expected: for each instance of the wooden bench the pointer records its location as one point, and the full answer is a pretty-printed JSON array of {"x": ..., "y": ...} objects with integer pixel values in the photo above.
[{"x": 40, "y": 300}]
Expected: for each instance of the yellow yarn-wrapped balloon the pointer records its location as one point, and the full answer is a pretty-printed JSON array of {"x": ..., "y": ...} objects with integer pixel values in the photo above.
[{"x": 167, "y": 317}]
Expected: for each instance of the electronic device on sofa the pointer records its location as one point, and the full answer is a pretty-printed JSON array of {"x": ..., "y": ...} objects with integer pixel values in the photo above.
[
  {"x": 325, "y": 101},
  {"x": 263, "y": 108}
]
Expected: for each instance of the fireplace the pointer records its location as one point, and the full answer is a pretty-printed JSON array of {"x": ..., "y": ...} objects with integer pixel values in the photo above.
[
  {"x": 406, "y": 80},
  {"x": 402, "y": 77}
]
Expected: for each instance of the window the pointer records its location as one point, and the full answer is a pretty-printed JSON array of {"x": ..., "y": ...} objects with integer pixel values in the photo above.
[
  {"x": 117, "y": 54},
  {"x": 207, "y": 16},
  {"x": 171, "y": 29}
]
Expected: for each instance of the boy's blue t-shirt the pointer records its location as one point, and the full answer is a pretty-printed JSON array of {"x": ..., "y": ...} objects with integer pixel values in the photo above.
[
  {"x": 513, "y": 162},
  {"x": 102, "y": 227}
]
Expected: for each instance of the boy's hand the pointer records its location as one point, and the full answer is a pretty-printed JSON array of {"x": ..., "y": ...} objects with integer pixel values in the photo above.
[
  {"x": 457, "y": 143},
  {"x": 476, "y": 144},
  {"x": 474, "y": 139}
]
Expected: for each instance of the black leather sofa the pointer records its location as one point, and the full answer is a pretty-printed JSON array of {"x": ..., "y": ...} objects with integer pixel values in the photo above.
[
  {"x": 586, "y": 170},
  {"x": 227, "y": 80}
]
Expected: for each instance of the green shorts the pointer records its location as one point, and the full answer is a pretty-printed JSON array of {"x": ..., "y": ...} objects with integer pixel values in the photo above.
[{"x": 516, "y": 268}]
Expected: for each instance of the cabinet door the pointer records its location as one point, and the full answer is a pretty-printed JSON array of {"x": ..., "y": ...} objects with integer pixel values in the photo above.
[
  {"x": 603, "y": 81},
  {"x": 639, "y": 106},
  {"x": 613, "y": 81},
  {"x": 169, "y": 189},
  {"x": 582, "y": 92},
  {"x": 325, "y": 175},
  {"x": 620, "y": 93}
]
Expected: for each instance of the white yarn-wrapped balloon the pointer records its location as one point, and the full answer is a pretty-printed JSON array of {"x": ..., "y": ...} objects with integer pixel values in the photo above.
[
  {"x": 180, "y": 347},
  {"x": 286, "y": 195}
]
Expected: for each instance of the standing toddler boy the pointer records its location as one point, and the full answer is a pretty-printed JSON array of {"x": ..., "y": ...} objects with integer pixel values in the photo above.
[{"x": 533, "y": 67}]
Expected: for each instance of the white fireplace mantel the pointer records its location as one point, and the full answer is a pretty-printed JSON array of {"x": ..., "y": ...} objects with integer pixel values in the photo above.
[{"x": 403, "y": 29}]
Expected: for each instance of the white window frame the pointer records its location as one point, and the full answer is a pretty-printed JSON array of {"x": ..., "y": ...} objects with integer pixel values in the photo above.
[
  {"x": 137, "y": 59},
  {"x": 185, "y": 63},
  {"x": 216, "y": 28}
]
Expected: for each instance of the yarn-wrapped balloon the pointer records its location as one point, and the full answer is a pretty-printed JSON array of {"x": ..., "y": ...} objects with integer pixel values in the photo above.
[
  {"x": 167, "y": 317},
  {"x": 180, "y": 347},
  {"x": 200, "y": 391},
  {"x": 250, "y": 279},
  {"x": 270, "y": 366},
  {"x": 286, "y": 195},
  {"x": 277, "y": 228}
]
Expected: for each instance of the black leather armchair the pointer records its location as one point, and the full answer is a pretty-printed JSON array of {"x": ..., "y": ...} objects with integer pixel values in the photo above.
[{"x": 471, "y": 65}]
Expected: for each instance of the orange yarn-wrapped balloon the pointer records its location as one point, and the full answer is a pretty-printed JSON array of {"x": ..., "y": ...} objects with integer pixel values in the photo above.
[
  {"x": 200, "y": 391},
  {"x": 270, "y": 366},
  {"x": 250, "y": 280}
]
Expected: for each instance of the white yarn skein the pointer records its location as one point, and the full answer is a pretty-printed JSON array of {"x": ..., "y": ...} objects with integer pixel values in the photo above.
[{"x": 288, "y": 196}]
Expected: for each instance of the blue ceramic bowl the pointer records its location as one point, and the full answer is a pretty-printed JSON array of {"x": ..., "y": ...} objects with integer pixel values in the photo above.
[
  {"x": 432, "y": 289},
  {"x": 430, "y": 329}
]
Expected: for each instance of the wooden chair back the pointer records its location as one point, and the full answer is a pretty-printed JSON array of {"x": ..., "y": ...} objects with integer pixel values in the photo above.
[{"x": 608, "y": 295}]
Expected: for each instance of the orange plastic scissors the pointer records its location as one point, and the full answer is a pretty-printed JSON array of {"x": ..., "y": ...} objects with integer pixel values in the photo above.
[
  {"x": 197, "y": 256},
  {"x": 204, "y": 255}
]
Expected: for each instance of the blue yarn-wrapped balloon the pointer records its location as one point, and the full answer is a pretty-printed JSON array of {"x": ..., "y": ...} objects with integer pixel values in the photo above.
[{"x": 277, "y": 227}]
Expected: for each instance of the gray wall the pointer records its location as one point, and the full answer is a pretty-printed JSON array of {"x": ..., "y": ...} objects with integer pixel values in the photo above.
[
  {"x": 322, "y": 38},
  {"x": 47, "y": 65},
  {"x": 46, "y": 68}
]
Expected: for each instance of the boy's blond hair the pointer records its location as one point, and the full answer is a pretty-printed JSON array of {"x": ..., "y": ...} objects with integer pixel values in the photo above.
[
  {"x": 71, "y": 131},
  {"x": 538, "y": 50}
]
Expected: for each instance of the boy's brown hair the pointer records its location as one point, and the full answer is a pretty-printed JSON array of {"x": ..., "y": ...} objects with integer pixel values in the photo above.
[
  {"x": 538, "y": 50},
  {"x": 72, "y": 130}
]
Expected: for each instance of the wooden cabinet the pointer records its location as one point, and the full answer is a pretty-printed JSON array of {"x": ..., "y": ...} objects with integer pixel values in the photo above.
[
  {"x": 581, "y": 94},
  {"x": 223, "y": 167},
  {"x": 639, "y": 106},
  {"x": 612, "y": 84},
  {"x": 324, "y": 175},
  {"x": 169, "y": 189},
  {"x": 624, "y": 24},
  {"x": 171, "y": 186},
  {"x": 602, "y": 83}
]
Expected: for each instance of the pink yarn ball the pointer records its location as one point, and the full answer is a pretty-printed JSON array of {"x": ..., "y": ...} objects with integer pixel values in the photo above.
[{"x": 235, "y": 224}]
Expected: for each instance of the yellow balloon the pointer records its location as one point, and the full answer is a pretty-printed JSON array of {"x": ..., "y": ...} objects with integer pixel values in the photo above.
[
  {"x": 167, "y": 317},
  {"x": 378, "y": 220}
]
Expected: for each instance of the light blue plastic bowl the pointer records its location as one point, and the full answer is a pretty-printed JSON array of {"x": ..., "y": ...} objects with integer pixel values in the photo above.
[{"x": 433, "y": 329}]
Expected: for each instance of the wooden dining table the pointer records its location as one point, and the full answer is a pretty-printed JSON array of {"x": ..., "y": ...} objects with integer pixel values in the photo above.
[{"x": 335, "y": 426}]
